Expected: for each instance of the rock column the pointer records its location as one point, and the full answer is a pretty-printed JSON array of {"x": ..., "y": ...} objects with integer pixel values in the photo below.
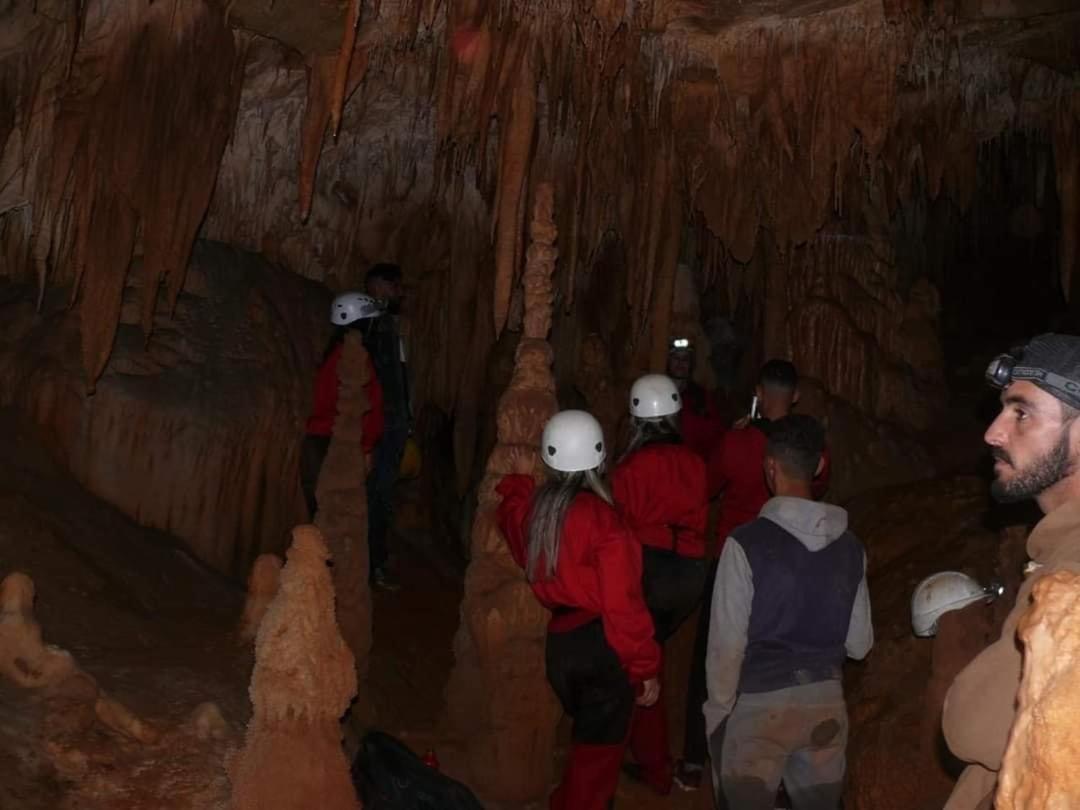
[{"x": 498, "y": 696}]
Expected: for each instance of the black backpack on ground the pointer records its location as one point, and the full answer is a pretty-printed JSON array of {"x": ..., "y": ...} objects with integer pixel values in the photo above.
[{"x": 389, "y": 776}]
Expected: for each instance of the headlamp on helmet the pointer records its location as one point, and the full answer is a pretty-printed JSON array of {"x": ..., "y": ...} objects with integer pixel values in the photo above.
[
  {"x": 680, "y": 344},
  {"x": 999, "y": 372}
]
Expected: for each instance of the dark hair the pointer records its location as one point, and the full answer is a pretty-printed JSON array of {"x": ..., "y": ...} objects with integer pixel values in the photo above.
[
  {"x": 779, "y": 374},
  {"x": 383, "y": 271},
  {"x": 797, "y": 442}
]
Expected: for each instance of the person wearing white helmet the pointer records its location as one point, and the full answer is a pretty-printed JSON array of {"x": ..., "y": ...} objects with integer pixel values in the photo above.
[
  {"x": 584, "y": 565},
  {"x": 660, "y": 488},
  {"x": 705, "y": 418},
  {"x": 1035, "y": 443},
  {"x": 351, "y": 310}
]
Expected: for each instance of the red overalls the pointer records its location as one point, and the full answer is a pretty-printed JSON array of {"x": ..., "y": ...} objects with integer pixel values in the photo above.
[
  {"x": 660, "y": 489},
  {"x": 600, "y": 645}
]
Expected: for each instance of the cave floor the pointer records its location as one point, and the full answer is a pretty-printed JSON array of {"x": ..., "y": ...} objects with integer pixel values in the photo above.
[{"x": 157, "y": 632}]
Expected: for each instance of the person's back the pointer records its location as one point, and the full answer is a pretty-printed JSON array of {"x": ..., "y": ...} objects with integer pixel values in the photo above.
[
  {"x": 790, "y": 604},
  {"x": 806, "y": 567}
]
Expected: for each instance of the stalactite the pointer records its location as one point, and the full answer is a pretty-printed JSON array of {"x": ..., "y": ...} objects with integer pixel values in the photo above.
[
  {"x": 168, "y": 89},
  {"x": 516, "y": 146},
  {"x": 344, "y": 59}
]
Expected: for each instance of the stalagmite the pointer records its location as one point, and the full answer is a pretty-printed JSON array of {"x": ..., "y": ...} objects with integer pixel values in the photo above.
[
  {"x": 302, "y": 683},
  {"x": 262, "y": 587},
  {"x": 1039, "y": 771},
  {"x": 342, "y": 497},
  {"x": 498, "y": 697}
]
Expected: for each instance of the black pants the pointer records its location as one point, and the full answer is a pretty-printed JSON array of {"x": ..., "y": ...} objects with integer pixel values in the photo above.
[
  {"x": 695, "y": 744},
  {"x": 673, "y": 586},
  {"x": 591, "y": 684},
  {"x": 312, "y": 455},
  {"x": 380, "y": 510}
]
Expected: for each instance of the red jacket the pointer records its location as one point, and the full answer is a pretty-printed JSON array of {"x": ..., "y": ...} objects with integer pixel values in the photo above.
[
  {"x": 598, "y": 573},
  {"x": 324, "y": 408},
  {"x": 661, "y": 492},
  {"x": 736, "y": 469},
  {"x": 702, "y": 421}
]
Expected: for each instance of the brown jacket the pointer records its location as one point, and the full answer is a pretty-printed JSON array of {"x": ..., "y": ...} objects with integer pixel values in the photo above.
[{"x": 981, "y": 703}]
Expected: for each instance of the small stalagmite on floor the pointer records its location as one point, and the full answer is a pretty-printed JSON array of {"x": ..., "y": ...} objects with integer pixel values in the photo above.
[
  {"x": 1040, "y": 768},
  {"x": 303, "y": 680},
  {"x": 263, "y": 584},
  {"x": 29, "y": 662}
]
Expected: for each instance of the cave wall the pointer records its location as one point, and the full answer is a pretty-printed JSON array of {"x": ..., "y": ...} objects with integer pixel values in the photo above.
[
  {"x": 789, "y": 145},
  {"x": 196, "y": 432}
]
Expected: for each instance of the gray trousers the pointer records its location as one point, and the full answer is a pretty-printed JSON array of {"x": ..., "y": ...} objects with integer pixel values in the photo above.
[{"x": 797, "y": 734}]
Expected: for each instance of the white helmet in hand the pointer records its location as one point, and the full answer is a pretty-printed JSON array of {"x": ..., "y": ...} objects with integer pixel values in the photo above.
[
  {"x": 353, "y": 306},
  {"x": 573, "y": 441},
  {"x": 944, "y": 592},
  {"x": 653, "y": 396}
]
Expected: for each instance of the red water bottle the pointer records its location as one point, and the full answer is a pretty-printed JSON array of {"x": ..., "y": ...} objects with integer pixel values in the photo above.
[{"x": 430, "y": 759}]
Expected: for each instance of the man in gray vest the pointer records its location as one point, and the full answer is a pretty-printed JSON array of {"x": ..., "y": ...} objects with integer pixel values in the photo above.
[{"x": 790, "y": 604}]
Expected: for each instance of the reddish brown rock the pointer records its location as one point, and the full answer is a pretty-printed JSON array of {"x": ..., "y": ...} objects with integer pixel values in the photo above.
[
  {"x": 302, "y": 683},
  {"x": 342, "y": 497},
  {"x": 1040, "y": 771},
  {"x": 196, "y": 432}
]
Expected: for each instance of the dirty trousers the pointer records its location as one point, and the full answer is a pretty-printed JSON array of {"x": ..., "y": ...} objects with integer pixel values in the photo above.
[
  {"x": 596, "y": 692},
  {"x": 798, "y": 734}
]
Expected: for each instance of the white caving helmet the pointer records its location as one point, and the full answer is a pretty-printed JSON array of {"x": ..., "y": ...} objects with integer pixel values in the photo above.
[
  {"x": 653, "y": 396},
  {"x": 573, "y": 441},
  {"x": 353, "y": 306},
  {"x": 943, "y": 592}
]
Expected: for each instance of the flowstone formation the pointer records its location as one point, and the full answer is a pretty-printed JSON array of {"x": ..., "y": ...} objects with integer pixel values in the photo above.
[
  {"x": 498, "y": 696},
  {"x": 1039, "y": 770},
  {"x": 302, "y": 683}
]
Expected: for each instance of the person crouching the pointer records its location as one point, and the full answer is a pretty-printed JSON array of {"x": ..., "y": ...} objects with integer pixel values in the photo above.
[
  {"x": 660, "y": 489},
  {"x": 584, "y": 565}
]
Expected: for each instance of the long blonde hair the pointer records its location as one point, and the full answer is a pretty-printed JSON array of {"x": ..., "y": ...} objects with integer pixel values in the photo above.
[{"x": 549, "y": 507}]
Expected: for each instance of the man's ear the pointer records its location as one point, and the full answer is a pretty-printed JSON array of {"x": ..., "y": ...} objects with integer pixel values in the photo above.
[
  {"x": 795, "y": 396},
  {"x": 820, "y": 466}
]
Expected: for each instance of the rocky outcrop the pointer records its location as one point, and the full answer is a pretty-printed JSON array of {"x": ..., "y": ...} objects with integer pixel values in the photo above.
[
  {"x": 303, "y": 680},
  {"x": 1039, "y": 770},
  {"x": 498, "y": 697},
  {"x": 196, "y": 431}
]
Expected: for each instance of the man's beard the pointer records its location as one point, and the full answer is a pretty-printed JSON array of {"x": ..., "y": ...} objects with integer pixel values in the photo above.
[{"x": 1037, "y": 477}]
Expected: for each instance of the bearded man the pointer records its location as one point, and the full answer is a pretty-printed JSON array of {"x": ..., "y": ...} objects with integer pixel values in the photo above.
[{"x": 1035, "y": 442}]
